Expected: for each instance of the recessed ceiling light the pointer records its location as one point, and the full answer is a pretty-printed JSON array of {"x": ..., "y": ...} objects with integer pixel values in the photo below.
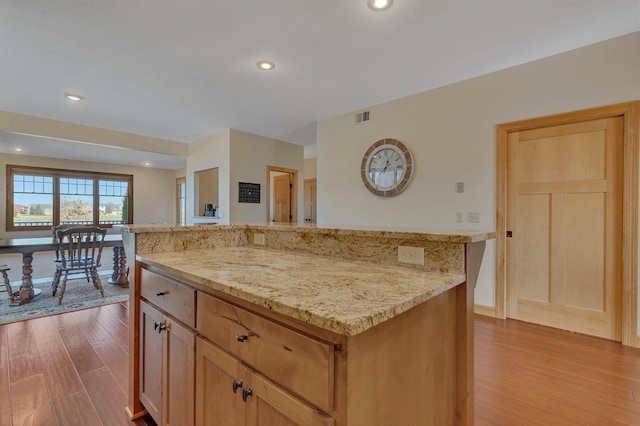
[
  {"x": 379, "y": 5},
  {"x": 266, "y": 65},
  {"x": 17, "y": 149},
  {"x": 73, "y": 97},
  {"x": 147, "y": 164}
]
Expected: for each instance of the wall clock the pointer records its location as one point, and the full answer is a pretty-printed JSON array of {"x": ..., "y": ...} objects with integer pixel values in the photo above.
[{"x": 387, "y": 167}]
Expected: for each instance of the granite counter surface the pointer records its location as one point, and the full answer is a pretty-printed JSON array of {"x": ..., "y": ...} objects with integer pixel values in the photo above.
[
  {"x": 345, "y": 297},
  {"x": 444, "y": 235}
]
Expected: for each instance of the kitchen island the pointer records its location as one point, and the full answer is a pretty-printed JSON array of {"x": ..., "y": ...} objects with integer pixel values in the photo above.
[{"x": 263, "y": 324}]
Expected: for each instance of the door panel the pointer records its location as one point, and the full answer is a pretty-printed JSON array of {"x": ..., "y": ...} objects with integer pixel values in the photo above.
[
  {"x": 534, "y": 250},
  {"x": 282, "y": 197},
  {"x": 564, "y": 206}
]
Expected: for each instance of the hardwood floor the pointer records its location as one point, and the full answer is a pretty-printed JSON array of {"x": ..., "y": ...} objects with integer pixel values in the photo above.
[
  {"x": 68, "y": 369},
  {"x": 71, "y": 369},
  {"x": 527, "y": 374}
]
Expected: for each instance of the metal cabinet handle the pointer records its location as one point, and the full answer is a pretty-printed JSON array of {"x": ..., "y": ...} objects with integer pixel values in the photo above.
[
  {"x": 242, "y": 338},
  {"x": 160, "y": 293},
  {"x": 156, "y": 325},
  {"x": 161, "y": 328},
  {"x": 237, "y": 384},
  {"x": 246, "y": 393}
]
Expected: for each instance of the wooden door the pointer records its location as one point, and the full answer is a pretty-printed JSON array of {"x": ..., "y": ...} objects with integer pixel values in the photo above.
[
  {"x": 564, "y": 204},
  {"x": 310, "y": 186},
  {"x": 216, "y": 402},
  {"x": 268, "y": 405},
  {"x": 179, "y": 371},
  {"x": 151, "y": 361},
  {"x": 282, "y": 198}
]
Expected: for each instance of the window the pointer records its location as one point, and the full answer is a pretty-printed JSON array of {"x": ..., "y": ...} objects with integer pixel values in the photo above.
[{"x": 41, "y": 198}]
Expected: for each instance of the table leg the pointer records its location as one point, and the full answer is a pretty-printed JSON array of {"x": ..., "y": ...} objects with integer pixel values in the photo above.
[
  {"x": 116, "y": 265},
  {"x": 119, "y": 276},
  {"x": 27, "y": 291}
]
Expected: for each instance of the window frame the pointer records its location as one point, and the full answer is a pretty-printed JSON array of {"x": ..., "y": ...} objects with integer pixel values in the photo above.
[{"x": 63, "y": 173}]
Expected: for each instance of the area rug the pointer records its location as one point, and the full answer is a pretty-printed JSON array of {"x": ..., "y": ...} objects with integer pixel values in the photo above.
[{"x": 79, "y": 295}]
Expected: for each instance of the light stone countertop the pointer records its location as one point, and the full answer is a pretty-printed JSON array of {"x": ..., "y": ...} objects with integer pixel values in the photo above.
[
  {"x": 444, "y": 235},
  {"x": 345, "y": 297}
]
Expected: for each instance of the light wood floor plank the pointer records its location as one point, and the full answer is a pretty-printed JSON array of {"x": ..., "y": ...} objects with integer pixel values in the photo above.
[
  {"x": 81, "y": 352},
  {"x": 30, "y": 402},
  {"x": 24, "y": 360},
  {"x": 116, "y": 359},
  {"x": 75, "y": 409},
  {"x": 57, "y": 367},
  {"x": 106, "y": 396},
  {"x": 5, "y": 404}
]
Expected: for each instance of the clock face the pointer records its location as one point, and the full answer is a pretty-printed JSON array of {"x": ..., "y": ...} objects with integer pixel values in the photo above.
[{"x": 387, "y": 167}]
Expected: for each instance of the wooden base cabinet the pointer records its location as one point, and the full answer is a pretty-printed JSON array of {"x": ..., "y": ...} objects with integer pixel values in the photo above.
[
  {"x": 167, "y": 365},
  {"x": 230, "y": 394}
]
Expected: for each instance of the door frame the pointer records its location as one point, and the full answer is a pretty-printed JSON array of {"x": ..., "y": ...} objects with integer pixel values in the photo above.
[
  {"x": 294, "y": 191},
  {"x": 630, "y": 112}
]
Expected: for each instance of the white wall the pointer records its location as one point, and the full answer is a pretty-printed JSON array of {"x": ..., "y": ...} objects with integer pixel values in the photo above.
[
  {"x": 206, "y": 153},
  {"x": 250, "y": 156},
  {"x": 451, "y": 131},
  {"x": 153, "y": 189}
]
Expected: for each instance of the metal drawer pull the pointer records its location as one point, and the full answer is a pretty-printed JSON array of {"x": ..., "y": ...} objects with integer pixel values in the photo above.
[
  {"x": 160, "y": 293},
  {"x": 246, "y": 393},
  {"x": 243, "y": 338},
  {"x": 237, "y": 384}
]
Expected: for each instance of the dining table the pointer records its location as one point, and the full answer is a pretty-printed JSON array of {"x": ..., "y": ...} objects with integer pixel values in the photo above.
[{"x": 28, "y": 246}]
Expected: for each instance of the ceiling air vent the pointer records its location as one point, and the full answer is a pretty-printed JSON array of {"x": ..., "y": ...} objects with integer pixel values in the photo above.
[{"x": 362, "y": 117}]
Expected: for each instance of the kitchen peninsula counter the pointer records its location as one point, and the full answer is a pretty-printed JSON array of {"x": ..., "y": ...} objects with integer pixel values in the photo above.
[
  {"x": 322, "y": 325},
  {"x": 344, "y": 297}
]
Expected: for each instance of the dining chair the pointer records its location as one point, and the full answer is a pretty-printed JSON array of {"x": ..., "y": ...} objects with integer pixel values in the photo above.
[
  {"x": 55, "y": 230},
  {"x": 7, "y": 283},
  {"x": 80, "y": 248}
]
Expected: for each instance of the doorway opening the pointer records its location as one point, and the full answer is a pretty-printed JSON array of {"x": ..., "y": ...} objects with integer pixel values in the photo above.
[
  {"x": 282, "y": 195},
  {"x": 181, "y": 201}
]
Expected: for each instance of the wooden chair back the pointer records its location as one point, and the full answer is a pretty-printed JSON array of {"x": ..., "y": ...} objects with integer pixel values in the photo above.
[{"x": 80, "y": 247}]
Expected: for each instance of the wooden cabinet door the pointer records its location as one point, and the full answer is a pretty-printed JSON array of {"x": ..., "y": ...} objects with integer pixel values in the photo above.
[
  {"x": 179, "y": 374},
  {"x": 268, "y": 405},
  {"x": 216, "y": 402},
  {"x": 151, "y": 360}
]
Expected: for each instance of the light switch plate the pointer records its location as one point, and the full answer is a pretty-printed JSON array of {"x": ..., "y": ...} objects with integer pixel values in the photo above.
[
  {"x": 473, "y": 217},
  {"x": 460, "y": 187}
]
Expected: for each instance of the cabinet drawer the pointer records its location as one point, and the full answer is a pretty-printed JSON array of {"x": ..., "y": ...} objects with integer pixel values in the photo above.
[
  {"x": 172, "y": 297},
  {"x": 300, "y": 363}
]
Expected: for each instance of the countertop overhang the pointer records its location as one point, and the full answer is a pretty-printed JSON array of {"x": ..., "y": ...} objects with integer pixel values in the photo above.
[
  {"x": 342, "y": 296},
  {"x": 426, "y": 234}
]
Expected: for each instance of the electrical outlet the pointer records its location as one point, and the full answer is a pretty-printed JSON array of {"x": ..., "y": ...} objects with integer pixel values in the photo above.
[
  {"x": 258, "y": 239},
  {"x": 473, "y": 217},
  {"x": 459, "y": 217},
  {"x": 459, "y": 187},
  {"x": 412, "y": 255}
]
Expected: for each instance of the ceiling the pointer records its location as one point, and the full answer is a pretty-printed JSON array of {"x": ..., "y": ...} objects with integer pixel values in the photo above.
[{"x": 185, "y": 69}]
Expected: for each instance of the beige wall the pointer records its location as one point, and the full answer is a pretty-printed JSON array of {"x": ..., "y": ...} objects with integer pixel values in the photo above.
[
  {"x": 451, "y": 131},
  {"x": 206, "y": 153},
  {"x": 310, "y": 168},
  {"x": 153, "y": 189},
  {"x": 250, "y": 156}
]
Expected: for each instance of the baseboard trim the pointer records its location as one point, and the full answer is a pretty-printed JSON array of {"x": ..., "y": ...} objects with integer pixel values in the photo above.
[{"x": 488, "y": 311}]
